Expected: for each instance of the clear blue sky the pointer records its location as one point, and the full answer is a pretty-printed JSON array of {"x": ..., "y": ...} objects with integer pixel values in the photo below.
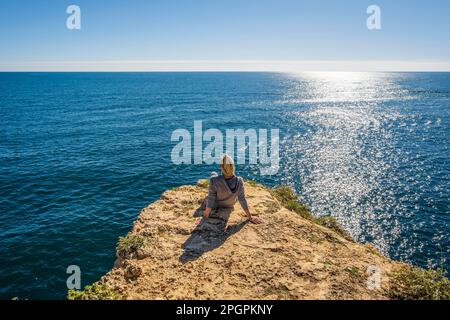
[{"x": 32, "y": 30}]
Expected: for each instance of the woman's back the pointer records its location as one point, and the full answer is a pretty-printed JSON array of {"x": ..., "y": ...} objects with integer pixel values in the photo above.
[
  {"x": 223, "y": 193},
  {"x": 225, "y": 190}
]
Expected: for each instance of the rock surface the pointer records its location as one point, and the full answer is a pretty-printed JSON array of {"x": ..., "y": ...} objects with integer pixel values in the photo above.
[{"x": 287, "y": 257}]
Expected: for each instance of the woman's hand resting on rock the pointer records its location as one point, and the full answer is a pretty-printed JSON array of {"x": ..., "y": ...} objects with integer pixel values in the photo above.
[{"x": 255, "y": 220}]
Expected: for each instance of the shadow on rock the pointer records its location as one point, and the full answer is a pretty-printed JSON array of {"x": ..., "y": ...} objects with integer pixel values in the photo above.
[{"x": 210, "y": 234}]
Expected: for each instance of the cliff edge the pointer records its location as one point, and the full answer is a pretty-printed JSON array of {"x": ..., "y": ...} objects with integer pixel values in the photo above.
[{"x": 291, "y": 256}]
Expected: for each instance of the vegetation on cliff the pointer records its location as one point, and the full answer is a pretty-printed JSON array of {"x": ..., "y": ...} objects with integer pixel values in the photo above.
[
  {"x": 293, "y": 255},
  {"x": 289, "y": 199},
  {"x": 413, "y": 283},
  {"x": 94, "y": 292}
]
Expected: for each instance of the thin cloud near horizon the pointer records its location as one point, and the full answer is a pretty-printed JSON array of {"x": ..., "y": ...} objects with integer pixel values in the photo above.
[{"x": 227, "y": 65}]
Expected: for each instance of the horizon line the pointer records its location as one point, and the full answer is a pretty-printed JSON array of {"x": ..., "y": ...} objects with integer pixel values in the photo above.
[{"x": 291, "y": 66}]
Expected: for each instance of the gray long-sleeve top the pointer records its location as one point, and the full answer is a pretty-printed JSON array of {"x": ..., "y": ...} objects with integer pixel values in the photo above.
[{"x": 220, "y": 195}]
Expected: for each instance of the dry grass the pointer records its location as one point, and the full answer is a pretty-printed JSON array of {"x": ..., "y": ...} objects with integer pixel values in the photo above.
[
  {"x": 289, "y": 199},
  {"x": 413, "y": 283},
  {"x": 94, "y": 292},
  {"x": 128, "y": 246}
]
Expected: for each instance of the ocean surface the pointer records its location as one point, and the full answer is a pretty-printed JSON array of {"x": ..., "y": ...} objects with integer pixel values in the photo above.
[{"x": 82, "y": 153}]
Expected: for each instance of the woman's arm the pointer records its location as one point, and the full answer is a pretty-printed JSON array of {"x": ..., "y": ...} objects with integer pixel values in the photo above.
[
  {"x": 243, "y": 201},
  {"x": 211, "y": 199}
]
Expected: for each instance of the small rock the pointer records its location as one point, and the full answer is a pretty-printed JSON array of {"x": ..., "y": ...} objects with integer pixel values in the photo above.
[
  {"x": 132, "y": 271},
  {"x": 143, "y": 253}
]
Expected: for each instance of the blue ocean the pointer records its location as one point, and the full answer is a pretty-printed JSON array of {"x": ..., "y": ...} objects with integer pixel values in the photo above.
[{"x": 82, "y": 153}]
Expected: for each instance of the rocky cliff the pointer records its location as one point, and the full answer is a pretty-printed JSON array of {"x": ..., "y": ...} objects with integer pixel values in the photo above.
[{"x": 291, "y": 256}]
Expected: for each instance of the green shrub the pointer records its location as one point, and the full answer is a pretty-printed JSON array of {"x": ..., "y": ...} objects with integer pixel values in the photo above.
[
  {"x": 300, "y": 209},
  {"x": 331, "y": 223},
  {"x": 413, "y": 283},
  {"x": 284, "y": 194},
  {"x": 129, "y": 245},
  {"x": 94, "y": 292},
  {"x": 289, "y": 199}
]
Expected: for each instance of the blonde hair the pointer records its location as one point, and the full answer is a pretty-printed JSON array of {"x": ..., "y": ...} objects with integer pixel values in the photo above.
[{"x": 227, "y": 166}]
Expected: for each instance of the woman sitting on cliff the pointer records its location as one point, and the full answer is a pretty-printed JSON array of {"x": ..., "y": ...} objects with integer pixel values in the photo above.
[{"x": 225, "y": 190}]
